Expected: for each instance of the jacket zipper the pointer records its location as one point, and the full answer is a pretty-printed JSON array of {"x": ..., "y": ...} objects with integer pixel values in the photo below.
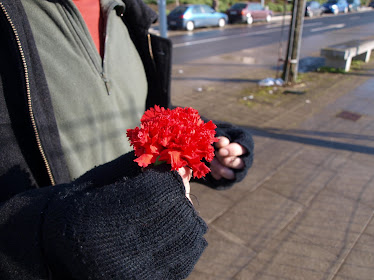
[
  {"x": 103, "y": 73},
  {"x": 150, "y": 49},
  {"x": 28, "y": 94}
]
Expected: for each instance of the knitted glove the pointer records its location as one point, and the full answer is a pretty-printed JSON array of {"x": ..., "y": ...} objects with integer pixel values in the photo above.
[
  {"x": 121, "y": 168},
  {"x": 237, "y": 135},
  {"x": 140, "y": 227}
]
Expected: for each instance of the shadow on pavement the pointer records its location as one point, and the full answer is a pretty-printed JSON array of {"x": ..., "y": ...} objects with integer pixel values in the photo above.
[
  {"x": 308, "y": 64},
  {"x": 290, "y": 135}
]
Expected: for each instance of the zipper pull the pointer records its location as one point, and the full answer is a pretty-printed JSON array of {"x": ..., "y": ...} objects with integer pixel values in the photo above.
[{"x": 106, "y": 83}]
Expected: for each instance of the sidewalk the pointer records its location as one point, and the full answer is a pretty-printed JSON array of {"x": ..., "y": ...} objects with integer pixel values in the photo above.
[{"x": 305, "y": 211}]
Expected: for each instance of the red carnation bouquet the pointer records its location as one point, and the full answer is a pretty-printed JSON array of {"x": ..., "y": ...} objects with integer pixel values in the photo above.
[{"x": 178, "y": 137}]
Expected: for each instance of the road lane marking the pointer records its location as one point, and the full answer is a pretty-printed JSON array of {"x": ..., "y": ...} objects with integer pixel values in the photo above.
[
  {"x": 216, "y": 39},
  {"x": 313, "y": 24},
  {"x": 273, "y": 25},
  {"x": 222, "y": 38},
  {"x": 332, "y": 26}
]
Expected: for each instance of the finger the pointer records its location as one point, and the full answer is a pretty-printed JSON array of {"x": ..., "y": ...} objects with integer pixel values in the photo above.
[
  {"x": 232, "y": 162},
  {"x": 186, "y": 174},
  {"x": 214, "y": 169},
  {"x": 223, "y": 141},
  {"x": 188, "y": 190},
  {"x": 233, "y": 149},
  {"x": 219, "y": 171}
]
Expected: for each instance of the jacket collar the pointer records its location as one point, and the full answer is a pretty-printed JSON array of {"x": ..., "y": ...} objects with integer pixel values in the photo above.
[{"x": 137, "y": 13}]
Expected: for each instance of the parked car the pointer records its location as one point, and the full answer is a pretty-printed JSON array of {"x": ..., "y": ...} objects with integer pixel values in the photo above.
[
  {"x": 313, "y": 8},
  {"x": 192, "y": 16},
  {"x": 354, "y": 5},
  {"x": 336, "y": 6},
  {"x": 371, "y": 4},
  {"x": 248, "y": 12}
]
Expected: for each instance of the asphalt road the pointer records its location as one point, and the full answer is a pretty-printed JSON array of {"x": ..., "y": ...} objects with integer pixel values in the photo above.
[{"x": 318, "y": 32}]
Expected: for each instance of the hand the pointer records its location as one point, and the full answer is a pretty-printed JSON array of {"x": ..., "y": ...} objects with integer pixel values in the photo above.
[
  {"x": 186, "y": 174},
  {"x": 130, "y": 222},
  {"x": 226, "y": 159}
]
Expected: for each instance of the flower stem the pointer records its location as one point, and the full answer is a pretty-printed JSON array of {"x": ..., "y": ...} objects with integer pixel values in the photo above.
[{"x": 158, "y": 162}]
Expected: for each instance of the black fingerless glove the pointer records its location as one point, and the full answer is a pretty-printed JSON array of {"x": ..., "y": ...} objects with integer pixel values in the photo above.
[
  {"x": 237, "y": 135},
  {"x": 140, "y": 227},
  {"x": 120, "y": 168}
]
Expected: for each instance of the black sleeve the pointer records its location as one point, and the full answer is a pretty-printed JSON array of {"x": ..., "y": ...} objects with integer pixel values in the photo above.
[
  {"x": 139, "y": 227},
  {"x": 240, "y": 136}
]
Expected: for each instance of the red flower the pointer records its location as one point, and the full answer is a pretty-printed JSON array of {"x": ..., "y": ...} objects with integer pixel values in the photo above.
[{"x": 178, "y": 137}]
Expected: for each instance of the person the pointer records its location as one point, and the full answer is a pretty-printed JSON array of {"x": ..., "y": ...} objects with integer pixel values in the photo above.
[
  {"x": 75, "y": 74},
  {"x": 215, "y": 4}
]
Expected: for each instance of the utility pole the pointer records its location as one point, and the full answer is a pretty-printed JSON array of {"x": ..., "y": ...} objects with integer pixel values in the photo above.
[
  {"x": 291, "y": 63},
  {"x": 162, "y": 18}
]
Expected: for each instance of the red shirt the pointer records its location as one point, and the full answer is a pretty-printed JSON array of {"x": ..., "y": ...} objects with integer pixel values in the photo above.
[{"x": 90, "y": 11}]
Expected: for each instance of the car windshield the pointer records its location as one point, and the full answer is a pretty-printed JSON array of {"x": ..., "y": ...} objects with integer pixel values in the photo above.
[
  {"x": 332, "y": 2},
  {"x": 179, "y": 10},
  {"x": 238, "y": 6}
]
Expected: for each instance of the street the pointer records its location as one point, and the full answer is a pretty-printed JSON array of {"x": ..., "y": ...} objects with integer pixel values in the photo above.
[{"x": 318, "y": 32}]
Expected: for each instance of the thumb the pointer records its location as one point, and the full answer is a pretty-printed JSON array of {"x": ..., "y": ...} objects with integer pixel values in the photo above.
[{"x": 186, "y": 174}]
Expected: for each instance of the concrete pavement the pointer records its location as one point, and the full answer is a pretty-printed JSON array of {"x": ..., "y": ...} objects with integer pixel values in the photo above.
[{"x": 305, "y": 211}]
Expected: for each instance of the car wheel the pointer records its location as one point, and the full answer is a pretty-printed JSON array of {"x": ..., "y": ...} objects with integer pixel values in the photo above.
[
  {"x": 249, "y": 19},
  {"x": 268, "y": 18},
  {"x": 190, "y": 26},
  {"x": 221, "y": 22}
]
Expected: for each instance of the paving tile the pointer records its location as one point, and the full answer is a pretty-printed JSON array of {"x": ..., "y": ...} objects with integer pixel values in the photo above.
[
  {"x": 258, "y": 217},
  {"x": 364, "y": 106},
  {"x": 359, "y": 263},
  {"x": 268, "y": 158},
  {"x": 336, "y": 160},
  {"x": 291, "y": 257},
  {"x": 263, "y": 168},
  {"x": 197, "y": 275},
  {"x": 208, "y": 202},
  {"x": 332, "y": 222},
  {"x": 224, "y": 257},
  {"x": 328, "y": 160},
  {"x": 364, "y": 159},
  {"x": 355, "y": 180},
  {"x": 300, "y": 180}
]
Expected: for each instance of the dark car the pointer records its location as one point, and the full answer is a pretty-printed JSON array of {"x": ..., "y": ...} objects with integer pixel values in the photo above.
[
  {"x": 354, "y": 5},
  {"x": 371, "y": 4},
  {"x": 248, "y": 12},
  {"x": 191, "y": 16},
  {"x": 336, "y": 6},
  {"x": 313, "y": 8}
]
